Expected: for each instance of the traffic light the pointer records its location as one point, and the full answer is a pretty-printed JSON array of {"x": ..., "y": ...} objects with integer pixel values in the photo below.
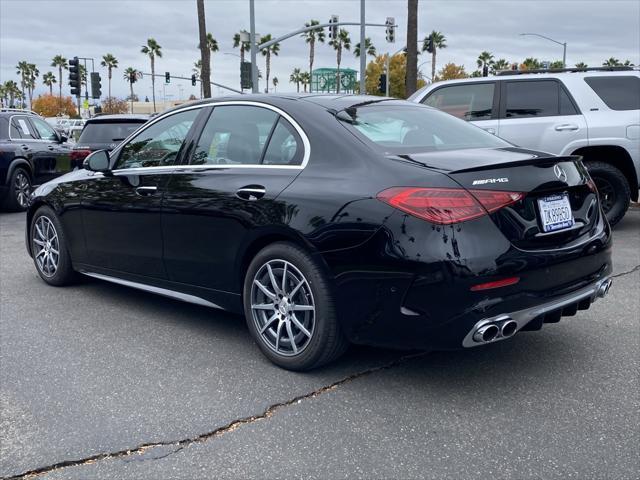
[
  {"x": 96, "y": 85},
  {"x": 74, "y": 76},
  {"x": 167, "y": 78},
  {"x": 193, "y": 80},
  {"x": 391, "y": 29},
  {"x": 333, "y": 29},
  {"x": 245, "y": 75},
  {"x": 382, "y": 83},
  {"x": 429, "y": 44}
]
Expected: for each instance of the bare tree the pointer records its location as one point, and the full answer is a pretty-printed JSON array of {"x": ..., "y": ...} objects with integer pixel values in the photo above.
[
  {"x": 205, "y": 74},
  {"x": 411, "y": 79}
]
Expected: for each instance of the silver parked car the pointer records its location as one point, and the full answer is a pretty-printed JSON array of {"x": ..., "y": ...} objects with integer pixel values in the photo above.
[{"x": 591, "y": 112}]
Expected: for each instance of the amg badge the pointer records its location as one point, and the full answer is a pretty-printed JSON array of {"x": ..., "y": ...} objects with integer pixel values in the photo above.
[{"x": 484, "y": 181}]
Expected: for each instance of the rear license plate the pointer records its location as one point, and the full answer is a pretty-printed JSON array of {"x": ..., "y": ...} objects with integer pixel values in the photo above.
[{"x": 555, "y": 212}]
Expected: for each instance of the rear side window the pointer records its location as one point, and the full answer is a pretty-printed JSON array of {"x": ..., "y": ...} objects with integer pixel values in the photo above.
[
  {"x": 469, "y": 102},
  {"x": 107, "y": 132},
  {"x": 285, "y": 146},
  {"x": 537, "y": 99},
  {"x": 21, "y": 129},
  {"x": 618, "y": 93}
]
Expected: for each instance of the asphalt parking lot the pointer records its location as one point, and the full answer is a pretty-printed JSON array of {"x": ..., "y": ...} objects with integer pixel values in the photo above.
[{"x": 100, "y": 381}]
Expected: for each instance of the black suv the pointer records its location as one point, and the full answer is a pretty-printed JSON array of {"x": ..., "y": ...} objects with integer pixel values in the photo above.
[
  {"x": 31, "y": 153},
  {"x": 105, "y": 132}
]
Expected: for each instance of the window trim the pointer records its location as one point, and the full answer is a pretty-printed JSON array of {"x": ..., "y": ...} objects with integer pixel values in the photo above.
[
  {"x": 38, "y": 139},
  {"x": 185, "y": 167},
  {"x": 503, "y": 98},
  {"x": 495, "y": 104}
]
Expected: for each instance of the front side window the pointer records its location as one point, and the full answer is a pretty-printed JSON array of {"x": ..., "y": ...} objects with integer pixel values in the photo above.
[
  {"x": 617, "y": 92},
  {"x": 469, "y": 102},
  {"x": 44, "y": 130},
  {"x": 536, "y": 99},
  {"x": 159, "y": 144},
  {"x": 235, "y": 135},
  {"x": 21, "y": 129},
  {"x": 404, "y": 129}
]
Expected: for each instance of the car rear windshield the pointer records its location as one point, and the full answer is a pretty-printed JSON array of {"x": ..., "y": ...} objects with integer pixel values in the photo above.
[
  {"x": 617, "y": 92},
  {"x": 107, "y": 132},
  {"x": 400, "y": 129}
]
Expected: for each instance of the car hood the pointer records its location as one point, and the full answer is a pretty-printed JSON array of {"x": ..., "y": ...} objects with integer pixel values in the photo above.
[{"x": 475, "y": 158}]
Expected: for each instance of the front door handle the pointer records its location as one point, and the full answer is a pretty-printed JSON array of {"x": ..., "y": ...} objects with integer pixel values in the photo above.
[
  {"x": 251, "y": 192},
  {"x": 491, "y": 130},
  {"x": 25, "y": 147},
  {"x": 146, "y": 191},
  {"x": 567, "y": 126},
  {"x": 51, "y": 147}
]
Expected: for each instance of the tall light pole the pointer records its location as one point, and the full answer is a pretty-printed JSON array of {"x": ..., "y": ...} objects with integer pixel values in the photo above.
[
  {"x": 254, "y": 50},
  {"x": 363, "y": 49},
  {"x": 564, "y": 46}
]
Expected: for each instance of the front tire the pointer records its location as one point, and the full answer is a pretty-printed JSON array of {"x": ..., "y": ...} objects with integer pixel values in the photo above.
[
  {"x": 289, "y": 309},
  {"x": 19, "y": 190},
  {"x": 613, "y": 190},
  {"x": 49, "y": 248}
]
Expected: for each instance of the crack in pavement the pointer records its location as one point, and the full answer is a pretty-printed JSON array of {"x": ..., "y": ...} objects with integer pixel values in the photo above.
[
  {"x": 622, "y": 274},
  {"x": 218, "y": 432}
]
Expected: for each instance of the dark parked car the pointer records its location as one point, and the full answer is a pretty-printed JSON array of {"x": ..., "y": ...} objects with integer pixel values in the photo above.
[
  {"x": 104, "y": 132},
  {"x": 332, "y": 219},
  {"x": 31, "y": 153}
]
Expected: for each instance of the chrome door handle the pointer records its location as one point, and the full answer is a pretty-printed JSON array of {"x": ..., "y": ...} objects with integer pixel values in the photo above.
[
  {"x": 145, "y": 191},
  {"x": 251, "y": 192},
  {"x": 568, "y": 126},
  {"x": 492, "y": 131},
  {"x": 24, "y": 147}
]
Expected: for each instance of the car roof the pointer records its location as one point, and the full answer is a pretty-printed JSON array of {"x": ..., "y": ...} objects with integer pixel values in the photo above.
[{"x": 124, "y": 117}]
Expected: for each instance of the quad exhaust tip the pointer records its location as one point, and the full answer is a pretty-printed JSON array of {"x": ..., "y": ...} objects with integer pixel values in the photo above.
[
  {"x": 604, "y": 287},
  {"x": 486, "y": 333},
  {"x": 509, "y": 328},
  {"x": 502, "y": 328}
]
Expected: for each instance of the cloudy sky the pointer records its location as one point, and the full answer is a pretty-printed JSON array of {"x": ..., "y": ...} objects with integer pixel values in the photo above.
[{"x": 36, "y": 30}]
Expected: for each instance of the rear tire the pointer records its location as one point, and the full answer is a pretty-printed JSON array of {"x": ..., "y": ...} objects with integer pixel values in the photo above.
[
  {"x": 290, "y": 310},
  {"x": 49, "y": 249},
  {"x": 19, "y": 190},
  {"x": 613, "y": 190}
]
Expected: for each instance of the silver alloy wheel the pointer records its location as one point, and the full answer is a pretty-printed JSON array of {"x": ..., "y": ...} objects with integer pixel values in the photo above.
[
  {"x": 22, "y": 188},
  {"x": 282, "y": 307},
  {"x": 45, "y": 238}
]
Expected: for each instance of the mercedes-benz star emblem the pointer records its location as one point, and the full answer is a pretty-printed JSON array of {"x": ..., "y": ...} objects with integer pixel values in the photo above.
[{"x": 560, "y": 173}]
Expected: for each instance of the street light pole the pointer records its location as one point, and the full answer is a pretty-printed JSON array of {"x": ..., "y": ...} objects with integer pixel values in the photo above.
[
  {"x": 363, "y": 49},
  {"x": 564, "y": 46},
  {"x": 253, "y": 42}
]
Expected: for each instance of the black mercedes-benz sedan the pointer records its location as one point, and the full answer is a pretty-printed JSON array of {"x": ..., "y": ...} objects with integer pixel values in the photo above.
[{"x": 332, "y": 219}]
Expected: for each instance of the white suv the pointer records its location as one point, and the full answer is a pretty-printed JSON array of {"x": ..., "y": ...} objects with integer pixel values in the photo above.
[{"x": 594, "y": 113}]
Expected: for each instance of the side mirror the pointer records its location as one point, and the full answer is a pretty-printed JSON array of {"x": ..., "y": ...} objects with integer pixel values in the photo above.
[
  {"x": 62, "y": 138},
  {"x": 97, "y": 161}
]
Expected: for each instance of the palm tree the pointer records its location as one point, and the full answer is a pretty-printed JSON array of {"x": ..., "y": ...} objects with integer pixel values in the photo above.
[
  {"x": 627, "y": 63},
  {"x": 411, "y": 76},
  {"x": 30, "y": 81},
  {"x": 12, "y": 91},
  {"x": 152, "y": 50},
  {"x": 581, "y": 65},
  {"x": 275, "y": 83},
  {"x": 439, "y": 41},
  {"x": 485, "y": 59},
  {"x": 197, "y": 70},
  {"x": 305, "y": 79},
  {"x": 498, "y": 65},
  {"x": 267, "y": 52},
  {"x": 244, "y": 46},
  {"x": 132, "y": 75},
  {"x": 22, "y": 69},
  {"x": 60, "y": 62},
  {"x": 110, "y": 62},
  {"x": 531, "y": 63},
  {"x": 49, "y": 79},
  {"x": 311, "y": 37},
  {"x": 612, "y": 62},
  {"x": 370, "y": 49},
  {"x": 296, "y": 77},
  {"x": 342, "y": 41},
  {"x": 556, "y": 64}
]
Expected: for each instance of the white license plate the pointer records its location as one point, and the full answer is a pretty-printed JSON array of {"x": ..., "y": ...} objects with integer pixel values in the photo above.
[{"x": 555, "y": 212}]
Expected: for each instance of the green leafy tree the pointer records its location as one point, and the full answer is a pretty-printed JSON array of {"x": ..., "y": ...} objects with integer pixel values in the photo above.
[
  {"x": 49, "y": 79},
  {"x": 267, "y": 52},
  {"x": 152, "y": 49},
  {"x": 212, "y": 45},
  {"x": 296, "y": 77},
  {"x": 110, "y": 62},
  {"x": 499, "y": 65},
  {"x": 627, "y": 63},
  {"x": 556, "y": 64},
  {"x": 451, "y": 71},
  {"x": 581, "y": 65},
  {"x": 275, "y": 82},
  {"x": 485, "y": 59},
  {"x": 612, "y": 62},
  {"x": 369, "y": 47},
  {"x": 439, "y": 42},
  {"x": 396, "y": 79},
  {"x": 530, "y": 63},
  {"x": 311, "y": 37},
  {"x": 61, "y": 63},
  {"x": 340, "y": 43},
  {"x": 11, "y": 92},
  {"x": 132, "y": 75}
]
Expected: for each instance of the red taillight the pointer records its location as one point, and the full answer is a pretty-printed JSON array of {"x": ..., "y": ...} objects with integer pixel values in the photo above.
[
  {"x": 447, "y": 205},
  {"x": 505, "y": 282},
  {"x": 79, "y": 154}
]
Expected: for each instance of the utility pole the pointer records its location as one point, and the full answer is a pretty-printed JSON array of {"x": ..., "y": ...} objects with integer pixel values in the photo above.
[
  {"x": 253, "y": 42},
  {"x": 411, "y": 78},
  {"x": 205, "y": 55},
  {"x": 363, "y": 49}
]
